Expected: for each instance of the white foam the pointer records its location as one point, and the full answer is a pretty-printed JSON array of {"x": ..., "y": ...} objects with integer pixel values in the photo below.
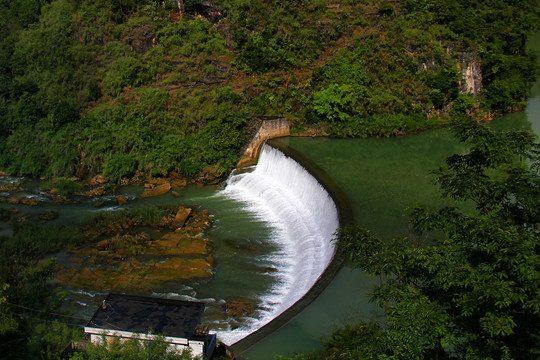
[{"x": 303, "y": 218}]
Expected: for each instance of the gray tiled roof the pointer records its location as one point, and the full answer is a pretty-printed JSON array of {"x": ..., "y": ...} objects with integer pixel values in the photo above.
[{"x": 148, "y": 315}]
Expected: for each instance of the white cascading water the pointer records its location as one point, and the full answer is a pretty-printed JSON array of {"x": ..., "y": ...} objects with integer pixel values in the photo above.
[{"x": 303, "y": 217}]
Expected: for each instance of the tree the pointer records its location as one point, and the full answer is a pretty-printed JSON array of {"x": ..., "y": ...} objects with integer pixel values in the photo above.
[
  {"x": 333, "y": 103},
  {"x": 472, "y": 291}
]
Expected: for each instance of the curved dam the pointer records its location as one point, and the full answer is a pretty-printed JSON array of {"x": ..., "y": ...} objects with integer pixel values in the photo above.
[{"x": 305, "y": 207}]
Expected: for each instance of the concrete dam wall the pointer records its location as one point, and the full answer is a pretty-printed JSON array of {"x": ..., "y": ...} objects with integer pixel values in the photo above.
[{"x": 265, "y": 129}]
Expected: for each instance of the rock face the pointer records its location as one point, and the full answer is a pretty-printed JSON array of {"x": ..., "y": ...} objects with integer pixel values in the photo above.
[
  {"x": 211, "y": 11},
  {"x": 140, "y": 39},
  {"x": 153, "y": 190},
  {"x": 471, "y": 72}
]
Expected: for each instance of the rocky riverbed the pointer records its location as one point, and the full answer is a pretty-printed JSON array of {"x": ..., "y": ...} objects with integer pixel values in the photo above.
[
  {"x": 124, "y": 257},
  {"x": 120, "y": 250}
]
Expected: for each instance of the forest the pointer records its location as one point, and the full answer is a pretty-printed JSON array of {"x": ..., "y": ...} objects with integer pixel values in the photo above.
[
  {"x": 135, "y": 88},
  {"x": 124, "y": 87}
]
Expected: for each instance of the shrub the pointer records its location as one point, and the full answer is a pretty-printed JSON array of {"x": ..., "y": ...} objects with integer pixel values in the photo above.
[
  {"x": 120, "y": 165},
  {"x": 127, "y": 71}
]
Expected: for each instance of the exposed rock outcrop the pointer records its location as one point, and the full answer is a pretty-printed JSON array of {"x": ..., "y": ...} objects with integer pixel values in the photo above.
[
  {"x": 98, "y": 179},
  {"x": 151, "y": 190},
  {"x": 471, "y": 73},
  {"x": 142, "y": 38},
  {"x": 181, "y": 217},
  {"x": 211, "y": 11},
  {"x": 129, "y": 258}
]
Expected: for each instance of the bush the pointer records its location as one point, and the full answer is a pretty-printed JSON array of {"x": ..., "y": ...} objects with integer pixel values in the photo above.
[
  {"x": 127, "y": 71},
  {"x": 120, "y": 165},
  {"x": 333, "y": 103}
]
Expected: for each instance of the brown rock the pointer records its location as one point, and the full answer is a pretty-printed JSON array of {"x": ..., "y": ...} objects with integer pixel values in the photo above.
[
  {"x": 179, "y": 183},
  {"x": 175, "y": 194},
  {"x": 239, "y": 307},
  {"x": 99, "y": 191},
  {"x": 14, "y": 200},
  {"x": 150, "y": 191},
  {"x": 181, "y": 217},
  {"x": 30, "y": 201},
  {"x": 177, "y": 180},
  {"x": 11, "y": 187},
  {"x": 59, "y": 199},
  {"x": 99, "y": 203},
  {"x": 174, "y": 175},
  {"x": 103, "y": 244},
  {"x": 179, "y": 243},
  {"x": 98, "y": 179},
  {"x": 121, "y": 200}
]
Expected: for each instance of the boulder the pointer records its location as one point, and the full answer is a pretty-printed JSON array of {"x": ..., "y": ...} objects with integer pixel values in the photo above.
[
  {"x": 151, "y": 190},
  {"x": 121, "y": 200},
  {"x": 240, "y": 307},
  {"x": 98, "y": 179},
  {"x": 30, "y": 201},
  {"x": 11, "y": 187},
  {"x": 181, "y": 216},
  {"x": 179, "y": 183}
]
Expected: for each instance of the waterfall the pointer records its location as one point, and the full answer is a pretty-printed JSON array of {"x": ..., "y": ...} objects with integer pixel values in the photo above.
[{"x": 303, "y": 218}]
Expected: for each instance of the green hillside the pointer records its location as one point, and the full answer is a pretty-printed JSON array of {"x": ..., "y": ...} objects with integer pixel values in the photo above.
[{"x": 127, "y": 87}]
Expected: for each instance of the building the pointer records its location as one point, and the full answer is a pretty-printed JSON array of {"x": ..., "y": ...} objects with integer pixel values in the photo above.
[{"x": 145, "y": 318}]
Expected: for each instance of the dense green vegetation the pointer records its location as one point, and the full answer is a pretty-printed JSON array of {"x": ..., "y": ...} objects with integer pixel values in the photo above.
[{"x": 125, "y": 87}]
